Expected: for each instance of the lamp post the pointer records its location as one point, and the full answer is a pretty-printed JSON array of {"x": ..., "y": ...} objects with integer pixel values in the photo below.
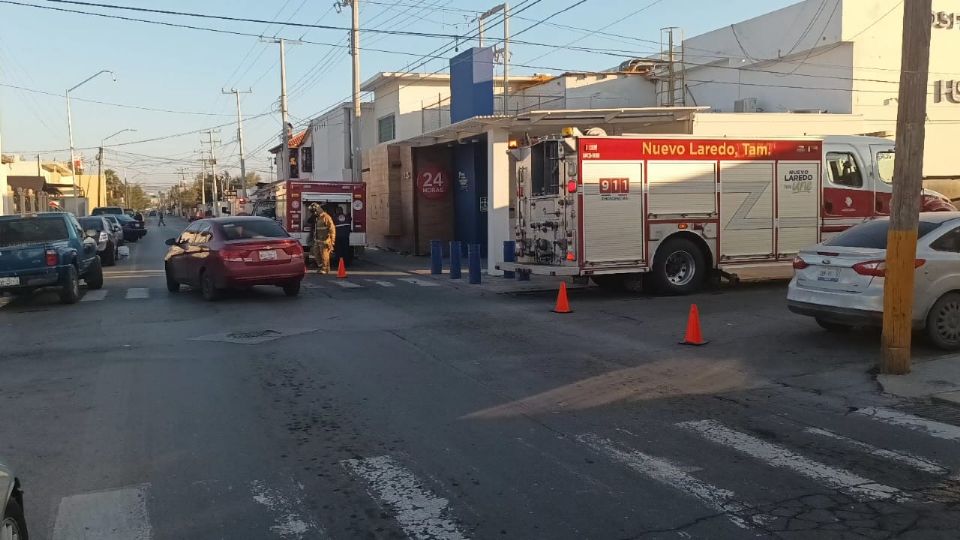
[
  {"x": 100, "y": 165},
  {"x": 73, "y": 165}
]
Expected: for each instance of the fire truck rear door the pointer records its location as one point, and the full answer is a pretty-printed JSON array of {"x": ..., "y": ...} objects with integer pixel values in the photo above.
[{"x": 612, "y": 211}]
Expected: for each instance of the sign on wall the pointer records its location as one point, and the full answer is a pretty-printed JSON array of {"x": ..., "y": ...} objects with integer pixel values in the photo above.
[
  {"x": 433, "y": 182},
  {"x": 946, "y": 90},
  {"x": 945, "y": 20}
]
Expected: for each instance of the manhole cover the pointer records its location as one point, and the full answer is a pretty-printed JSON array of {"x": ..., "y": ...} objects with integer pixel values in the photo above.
[
  {"x": 253, "y": 334},
  {"x": 251, "y": 337}
]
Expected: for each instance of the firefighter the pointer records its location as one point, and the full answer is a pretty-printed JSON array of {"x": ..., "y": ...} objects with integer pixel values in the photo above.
[{"x": 324, "y": 237}]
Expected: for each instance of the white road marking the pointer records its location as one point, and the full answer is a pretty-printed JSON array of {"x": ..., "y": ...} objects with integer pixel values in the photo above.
[
  {"x": 904, "y": 458},
  {"x": 381, "y": 283},
  {"x": 119, "y": 514},
  {"x": 347, "y": 284},
  {"x": 909, "y": 421},
  {"x": 419, "y": 512},
  {"x": 94, "y": 296},
  {"x": 138, "y": 293},
  {"x": 782, "y": 458},
  {"x": 671, "y": 475},
  {"x": 419, "y": 282},
  {"x": 289, "y": 522}
]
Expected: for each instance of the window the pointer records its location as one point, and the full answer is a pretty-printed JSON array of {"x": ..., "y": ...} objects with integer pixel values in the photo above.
[
  {"x": 386, "y": 128},
  {"x": 950, "y": 241},
  {"x": 306, "y": 155},
  {"x": 250, "y": 229},
  {"x": 545, "y": 169},
  {"x": 188, "y": 235},
  {"x": 873, "y": 234},
  {"x": 204, "y": 234},
  {"x": 843, "y": 170},
  {"x": 95, "y": 223},
  {"x": 885, "y": 162},
  {"x": 32, "y": 231},
  {"x": 294, "y": 157}
]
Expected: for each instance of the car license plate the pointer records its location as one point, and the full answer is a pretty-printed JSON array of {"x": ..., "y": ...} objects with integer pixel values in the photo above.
[
  {"x": 9, "y": 281},
  {"x": 268, "y": 255},
  {"x": 829, "y": 274}
]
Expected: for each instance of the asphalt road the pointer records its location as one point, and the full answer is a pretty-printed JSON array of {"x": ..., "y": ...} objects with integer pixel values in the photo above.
[{"x": 390, "y": 405}]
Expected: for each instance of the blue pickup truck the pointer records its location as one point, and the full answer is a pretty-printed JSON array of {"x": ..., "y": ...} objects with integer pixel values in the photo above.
[{"x": 47, "y": 250}]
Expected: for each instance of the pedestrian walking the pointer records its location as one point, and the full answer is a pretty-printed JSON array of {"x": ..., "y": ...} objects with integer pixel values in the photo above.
[
  {"x": 324, "y": 237},
  {"x": 161, "y": 222}
]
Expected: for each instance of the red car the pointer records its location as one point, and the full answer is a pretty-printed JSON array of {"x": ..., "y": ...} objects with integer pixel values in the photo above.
[{"x": 234, "y": 252}]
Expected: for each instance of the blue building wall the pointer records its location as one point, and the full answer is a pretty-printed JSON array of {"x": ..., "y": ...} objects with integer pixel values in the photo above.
[
  {"x": 471, "y": 84},
  {"x": 470, "y": 191}
]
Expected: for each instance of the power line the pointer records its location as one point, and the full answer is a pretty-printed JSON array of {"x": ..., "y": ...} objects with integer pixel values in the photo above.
[
  {"x": 122, "y": 105},
  {"x": 245, "y": 19}
]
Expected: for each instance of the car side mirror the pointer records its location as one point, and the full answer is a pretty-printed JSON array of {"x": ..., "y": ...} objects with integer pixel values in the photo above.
[{"x": 171, "y": 242}]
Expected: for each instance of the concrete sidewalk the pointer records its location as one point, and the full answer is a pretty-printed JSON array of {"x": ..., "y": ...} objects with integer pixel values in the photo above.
[
  {"x": 420, "y": 266},
  {"x": 937, "y": 380}
]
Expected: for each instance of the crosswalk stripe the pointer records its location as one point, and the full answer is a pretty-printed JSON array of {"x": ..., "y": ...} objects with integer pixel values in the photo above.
[
  {"x": 94, "y": 296},
  {"x": 904, "y": 458},
  {"x": 381, "y": 283},
  {"x": 930, "y": 427},
  {"x": 419, "y": 512},
  {"x": 782, "y": 458},
  {"x": 118, "y": 514},
  {"x": 669, "y": 474},
  {"x": 138, "y": 293},
  {"x": 419, "y": 282},
  {"x": 347, "y": 284}
]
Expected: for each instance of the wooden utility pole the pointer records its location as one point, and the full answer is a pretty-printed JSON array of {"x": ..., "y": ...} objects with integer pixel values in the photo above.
[{"x": 908, "y": 172}]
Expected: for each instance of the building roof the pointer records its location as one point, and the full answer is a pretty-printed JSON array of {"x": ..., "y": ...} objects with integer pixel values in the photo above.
[
  {"x": 385, "y": 77},
  {"x": 295, "y": 141}
]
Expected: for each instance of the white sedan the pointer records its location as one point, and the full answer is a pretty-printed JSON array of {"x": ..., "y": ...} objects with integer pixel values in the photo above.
[{"x": 840, "y": 282}]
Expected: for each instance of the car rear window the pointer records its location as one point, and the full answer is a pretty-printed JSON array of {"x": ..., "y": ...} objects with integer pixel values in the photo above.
[
  {"x": 873, "y": 234},
  {"x": 250, "y": 229},
  {"x": 91, "y": 223},
  {"x": 32, "y": 231}
]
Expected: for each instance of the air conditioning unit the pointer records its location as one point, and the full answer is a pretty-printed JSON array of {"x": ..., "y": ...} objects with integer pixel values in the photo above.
[{"x": 750, "y": 104}]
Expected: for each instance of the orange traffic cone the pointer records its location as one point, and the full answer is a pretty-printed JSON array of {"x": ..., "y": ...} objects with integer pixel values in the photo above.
[
  {"x": 693, "y": 336},
  {"x": 341, "y": 269},
  {"x": 563, "y": 306}
]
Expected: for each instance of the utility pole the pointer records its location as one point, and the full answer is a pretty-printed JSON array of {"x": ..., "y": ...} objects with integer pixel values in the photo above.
[
  {"x": 243, "y": 165},
  {"x": 214, "y": 191},
  {"x": 203, "y": 182},
  {"x": 356, "y": 164},
  {"x": 284, "y": 113},
  {"x": 505, "y": 8},
  {"x": 908, "y": 170},
  {"x": 672, "y": 98}
]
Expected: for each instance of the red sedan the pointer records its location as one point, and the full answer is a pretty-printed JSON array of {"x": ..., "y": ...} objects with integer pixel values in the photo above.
[{"x": 234, "y": 252}]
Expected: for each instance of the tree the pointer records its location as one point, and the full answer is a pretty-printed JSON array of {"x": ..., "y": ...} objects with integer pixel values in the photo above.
[
  {"x": 251, "y": 180},
  {"x": 114, "y": 188}
]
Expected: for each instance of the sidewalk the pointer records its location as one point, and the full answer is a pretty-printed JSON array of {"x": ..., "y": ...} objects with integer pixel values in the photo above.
[
  {"x": 420, "y": 266},
  {"x": 937, "y": 380}
]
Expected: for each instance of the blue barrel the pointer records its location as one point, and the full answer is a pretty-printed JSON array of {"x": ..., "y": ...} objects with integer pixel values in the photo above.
[
  {"x": 455, "y": 259},
  {"x": 436, "y": 257},
  {"x": 509, "y": 255},
  {"x": 473, "y": 257}
]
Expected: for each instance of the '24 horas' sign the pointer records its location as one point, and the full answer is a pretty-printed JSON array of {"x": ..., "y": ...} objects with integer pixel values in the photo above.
[{"x": 433, "y": 182}]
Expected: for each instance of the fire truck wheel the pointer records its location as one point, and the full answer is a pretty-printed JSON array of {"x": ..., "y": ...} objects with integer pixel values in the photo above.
[{"x": 679, "y": 267}]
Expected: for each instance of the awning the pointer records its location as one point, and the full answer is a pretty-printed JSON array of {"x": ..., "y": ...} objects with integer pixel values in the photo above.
[
  {"x": 36, "y": 183},
  {"x": 547, "y": 122}
]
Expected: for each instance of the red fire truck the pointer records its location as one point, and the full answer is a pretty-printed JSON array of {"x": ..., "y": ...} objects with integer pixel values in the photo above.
[
  {"x": 677, "y": 208},
  {"x": 288, "y": 202}
]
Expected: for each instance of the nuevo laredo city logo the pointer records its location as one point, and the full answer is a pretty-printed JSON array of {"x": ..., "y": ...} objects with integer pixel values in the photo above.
[{"x": 799, "y": 180}]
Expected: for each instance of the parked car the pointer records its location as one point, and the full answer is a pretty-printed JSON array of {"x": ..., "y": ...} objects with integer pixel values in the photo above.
[
  {"x": 13, "y": 524},
  {"x": 153, "y": 213},
  {"x": 221, "y": 253},
  {"x": 44, "y": 250},
  {"x": 133, "y": 230},
  {"x": 115, "y": 227},
  {"x": 103, "y": 210},
  {"x": 840, "y": 282},
  {"x": 101, "y": 230}
]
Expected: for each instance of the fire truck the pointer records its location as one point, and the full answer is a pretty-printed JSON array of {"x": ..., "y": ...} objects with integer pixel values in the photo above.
[
  {"x": 667, "y": 212},
  {"x": 288, "y": 202}
]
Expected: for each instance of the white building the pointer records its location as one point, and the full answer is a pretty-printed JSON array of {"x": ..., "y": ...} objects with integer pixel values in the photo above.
[
  {"x": 330, "y": 142},
  {"x": 830, "y": 56}
]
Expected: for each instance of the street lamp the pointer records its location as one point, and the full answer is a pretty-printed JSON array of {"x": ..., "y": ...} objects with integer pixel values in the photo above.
[
  {"x": 100, "y": 165},
  {"x": 73, "y": 164}
]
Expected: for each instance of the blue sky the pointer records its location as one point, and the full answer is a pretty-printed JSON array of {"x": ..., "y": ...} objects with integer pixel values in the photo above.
[{"x": 184, "y": 70}]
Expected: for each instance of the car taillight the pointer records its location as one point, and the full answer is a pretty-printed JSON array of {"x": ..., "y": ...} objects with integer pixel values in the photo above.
[
  {"x": 52, "y": 257},
  {"x": 879, "y": 268},
  {"x": 799, "y": 264},
  {"x": 235, "y": 255},
  {"x": 293, "y": 248}
]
